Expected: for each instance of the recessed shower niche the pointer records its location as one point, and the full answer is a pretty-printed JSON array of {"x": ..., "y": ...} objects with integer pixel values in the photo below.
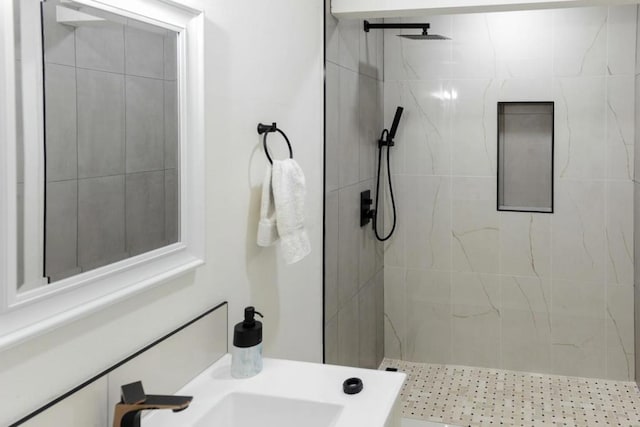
[{"x": 525, "y": 156}]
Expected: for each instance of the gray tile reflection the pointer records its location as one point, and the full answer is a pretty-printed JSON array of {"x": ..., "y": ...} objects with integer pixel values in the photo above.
[
  {"x": 170, "y": 56},
  {"x": 171, "y": 133},
  {"x": 145, "y": 212},
  {"x": 144, "y": 129},
  {"x": 172, "y": 205},
  {"x": 61, "y": 134},
  {"x": 100, "y": 123},
  {"x": 59, "y": 39},
  {"x": 101, "y": 48},
  {"x": 61, "y": 229},
  {"x": 144, "y": 52},
  {"x": 101, "y": 227}
]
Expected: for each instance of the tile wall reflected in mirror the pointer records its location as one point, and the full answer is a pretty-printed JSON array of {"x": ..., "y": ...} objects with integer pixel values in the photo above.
[{"x": 111, "y": 139}]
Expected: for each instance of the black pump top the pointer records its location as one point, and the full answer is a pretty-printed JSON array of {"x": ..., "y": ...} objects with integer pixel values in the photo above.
[
  {"x": 248, "y": 333},
  {"x": 249, "y": 317}
]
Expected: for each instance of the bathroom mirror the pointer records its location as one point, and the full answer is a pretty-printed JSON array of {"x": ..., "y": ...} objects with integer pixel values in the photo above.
[
  {"x": 103, "y": 108},
  {"x": 106, "y": 167},
  {"x": 525, "y": 156}
]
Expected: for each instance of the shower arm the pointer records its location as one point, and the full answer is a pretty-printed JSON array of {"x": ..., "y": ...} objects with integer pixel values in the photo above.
[{"x": 368, "y": 26}]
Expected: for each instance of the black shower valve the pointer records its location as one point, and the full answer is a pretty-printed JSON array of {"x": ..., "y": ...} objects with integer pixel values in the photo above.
[{"x": 366, "y": 213}]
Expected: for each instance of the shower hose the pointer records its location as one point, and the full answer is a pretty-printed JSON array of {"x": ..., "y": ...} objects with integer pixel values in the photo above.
[{"x": 393, "y": 202}]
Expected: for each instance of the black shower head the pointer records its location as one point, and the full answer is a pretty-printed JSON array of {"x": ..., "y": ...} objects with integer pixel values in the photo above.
[
  {"x": 424, "y": 36},
  {"x": 396, "y": 121},
  {"x": 424, "y": 27}
]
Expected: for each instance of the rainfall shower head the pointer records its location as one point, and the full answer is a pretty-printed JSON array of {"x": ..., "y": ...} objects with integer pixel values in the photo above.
[
  {"x": 424, "y": 36},
  {"x": 424, "y": 27}
]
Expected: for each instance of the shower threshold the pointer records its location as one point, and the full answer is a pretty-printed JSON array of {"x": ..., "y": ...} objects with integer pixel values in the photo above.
[{"x": 448, "y": 395}]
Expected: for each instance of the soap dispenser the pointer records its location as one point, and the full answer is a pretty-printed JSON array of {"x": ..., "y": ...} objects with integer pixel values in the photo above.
[{"x": 246, "y": 356}]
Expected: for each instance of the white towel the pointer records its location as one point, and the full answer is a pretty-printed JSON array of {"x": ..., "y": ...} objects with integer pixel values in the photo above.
[
  {"x": 289, "y": 190},
  {"x": 267, "y": 230}
]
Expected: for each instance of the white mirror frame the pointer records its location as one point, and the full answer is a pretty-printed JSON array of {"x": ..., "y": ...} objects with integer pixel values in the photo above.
[{"x": 27, "y": 314}]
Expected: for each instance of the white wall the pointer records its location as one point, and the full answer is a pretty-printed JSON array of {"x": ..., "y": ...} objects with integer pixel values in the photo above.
[{"x": 263, "y": 63}]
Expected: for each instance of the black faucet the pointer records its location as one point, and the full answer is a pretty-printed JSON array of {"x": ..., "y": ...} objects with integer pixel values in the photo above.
[{"x": 134, "y": 400}]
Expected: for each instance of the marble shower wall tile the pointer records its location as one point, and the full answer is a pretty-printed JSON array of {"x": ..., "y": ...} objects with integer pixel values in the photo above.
[
  {"x": 620, "y": 332},
  {"x": 578, "y": 328},
  {"x": 619, "y": 232},
  {"x": 580, "y": 41},
  {"x": 348, "y": 128},
  {"x": 371, "y": 52},
  {"x": 428, "y": 333},
  {"x": 349, "y": 43},
  {"x": 475, "y": 225},
  {"x": 379, "y": 317},
  {"x": 368, "y": 244},
  {"x": 369, "y": 124},
  {"x": 349, "y": 234},
  {"x": 620, "y": 127},
  {"x": 523, "y": 43},
  {"x": 525, "y": 244},
  {"x": 621, "y": 40},
  {"x": 636, "y": 134},
  {"x": 526, "y": 89},
  {"x": 580, "y": 123},
  {"x": 474, "y": 54},
  {"x": 426, "y": 127},
  {"x": 331, "y": 234},
  {"x": 331, "y": 341},
  {"x": 367, "y": 327},
  {"x": 332, "y": 122},
  {"x": 476, "y": 312},
  {"x": 474, "y": 114},
  {"x": 578, "y": 247},
  {"x": 332, "y": 35},
  {"x": 395, "y": 312},
  {"x": 428, "y": 245},
  {"x": 526, "y": 323},
  {"x": 560, "y": 277},
  {"x": 395, "y": 247},
  {"x": 636, "y": 280},
  {"x": 348, "y": 336}
]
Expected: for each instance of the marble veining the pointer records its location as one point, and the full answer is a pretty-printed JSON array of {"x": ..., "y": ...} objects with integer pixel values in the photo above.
[
  {"x": 626, "y": 145},
  {"x": 619, "y": 336},
  {"x": 395, "y": 333},
  {"x": 531, "y": 256}
]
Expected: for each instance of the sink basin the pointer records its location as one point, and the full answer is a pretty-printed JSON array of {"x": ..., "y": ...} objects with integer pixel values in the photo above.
[
  {"x": 286, "y": 393},
  {"x": 251, "y": 410}
]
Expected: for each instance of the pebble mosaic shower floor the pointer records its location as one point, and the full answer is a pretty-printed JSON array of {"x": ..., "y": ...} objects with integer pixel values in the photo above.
[{"x": 469, "y": 396}]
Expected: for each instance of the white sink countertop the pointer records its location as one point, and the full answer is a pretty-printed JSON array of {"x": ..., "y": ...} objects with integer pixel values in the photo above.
[{"x": 374, "y": 406}]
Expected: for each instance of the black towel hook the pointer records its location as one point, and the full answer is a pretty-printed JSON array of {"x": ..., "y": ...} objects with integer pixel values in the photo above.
[{"x": 266, "y": 130}]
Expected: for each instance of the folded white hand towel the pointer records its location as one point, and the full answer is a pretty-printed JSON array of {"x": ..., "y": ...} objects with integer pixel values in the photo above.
[
  {"x": 267, "y": 230},
  {"x": 289, "y": 191}
]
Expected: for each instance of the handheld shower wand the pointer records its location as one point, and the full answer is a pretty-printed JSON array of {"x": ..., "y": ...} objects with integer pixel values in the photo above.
[{"x": 386, "y": 140}]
